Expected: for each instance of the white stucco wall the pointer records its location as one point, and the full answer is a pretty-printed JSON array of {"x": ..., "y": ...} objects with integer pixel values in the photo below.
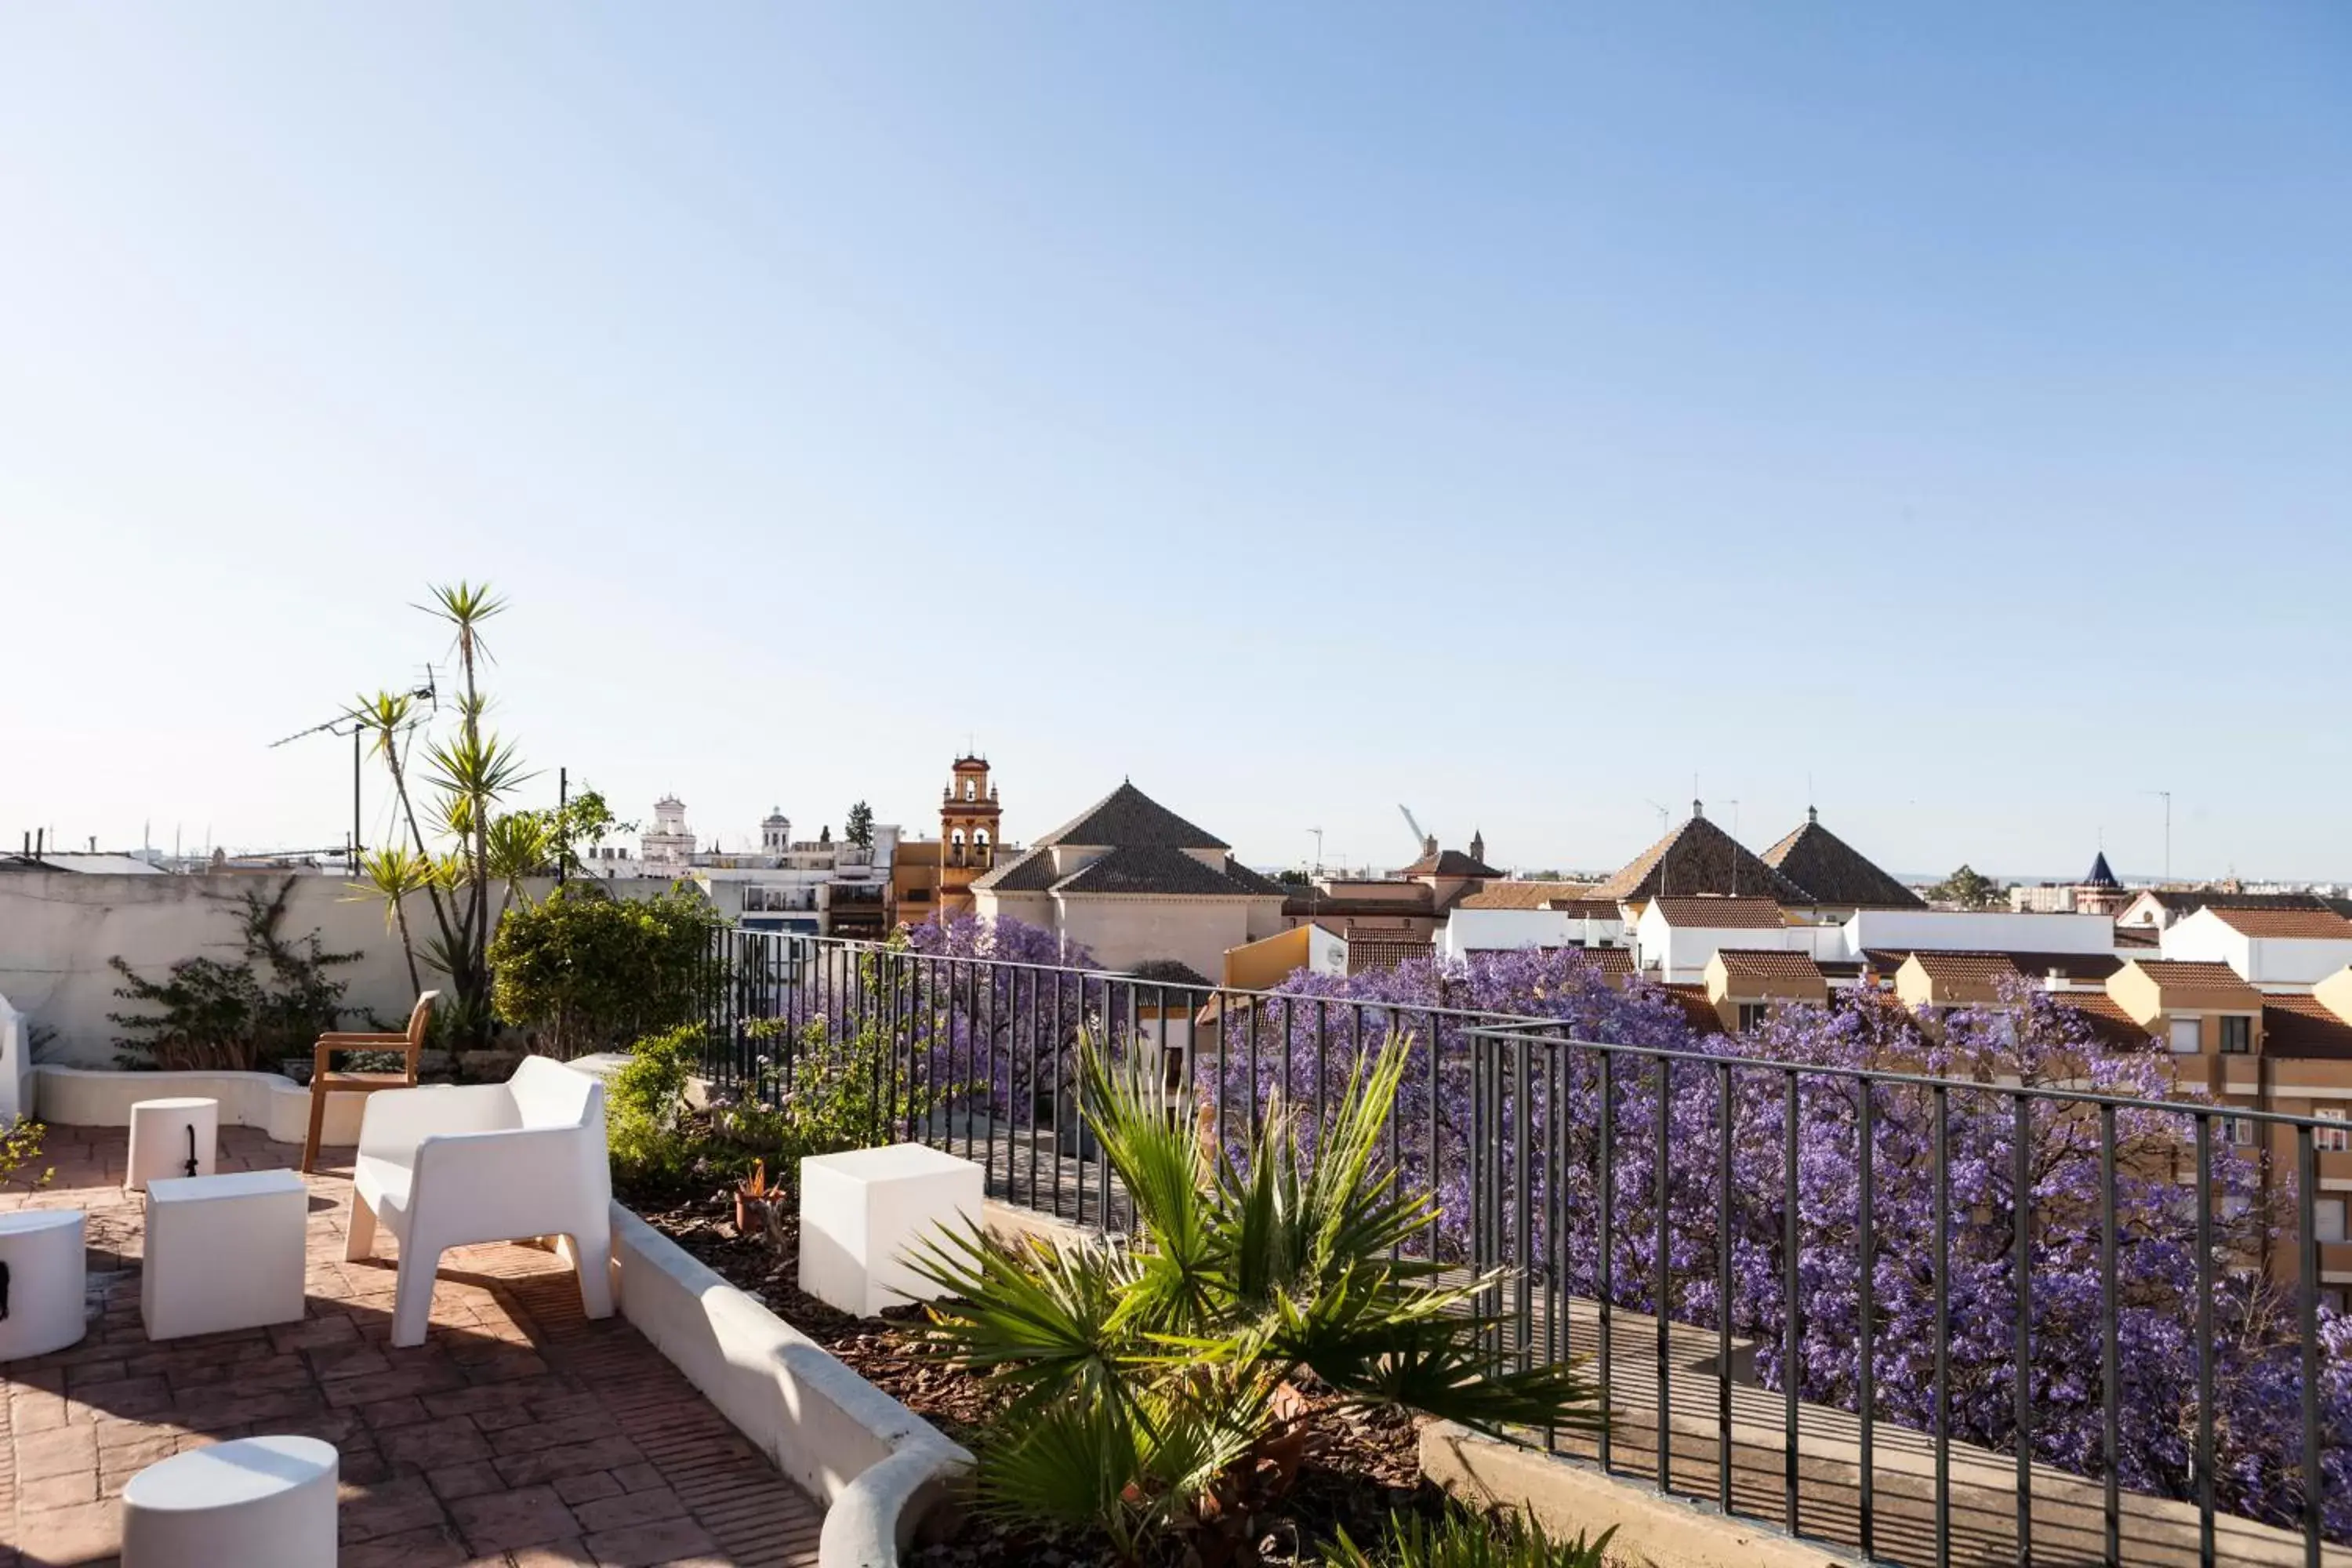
[
  {"x": 57, "y": 930},
  {"x": 1959, "y": 931},
  {"x": 2266, "y": 960},
  {"x": 1125, "y": 929},
  {"x": 1481, "y": 930},
  {"x": 1681, "y": 951},
  {"x": 2201, "y": 938}
]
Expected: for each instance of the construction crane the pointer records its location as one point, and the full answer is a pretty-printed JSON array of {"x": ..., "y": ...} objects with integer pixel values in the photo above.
[{"x": 1420, "y": 841}]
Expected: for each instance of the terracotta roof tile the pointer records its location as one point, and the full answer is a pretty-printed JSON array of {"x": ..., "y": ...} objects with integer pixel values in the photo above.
[
  {"x": 2303, "y": 1028},
  {"x": 2108, "y": 1023},
  {"x": 1697, "y": 1009},
  {"x": 1382, "y": 953},
  {"x": 1515, "y": 895},
  {"x": 1722, "y": 914},
  {"x": 2188, "y": 975},
  {"x": 2322, "y": 924},
  {"x": 1615, "y": 963},
  {"x": 1769, "y": 964},
  {"x": 1967, "y": 968}
]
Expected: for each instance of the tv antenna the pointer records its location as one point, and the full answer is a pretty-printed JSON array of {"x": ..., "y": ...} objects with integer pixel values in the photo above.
[{"x": 348, "y": 722}]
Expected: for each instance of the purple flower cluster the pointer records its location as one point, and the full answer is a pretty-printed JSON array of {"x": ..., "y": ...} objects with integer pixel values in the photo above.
[{"x": 1462, "y": 1134}]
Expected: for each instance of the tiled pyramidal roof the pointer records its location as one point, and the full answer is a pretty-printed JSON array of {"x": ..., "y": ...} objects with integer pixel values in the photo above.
[{"x": 1147, "y": 844}]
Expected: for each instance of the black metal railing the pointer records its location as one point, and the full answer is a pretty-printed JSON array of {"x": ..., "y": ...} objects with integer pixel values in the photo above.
[{"x": 1874, "y": 1307}]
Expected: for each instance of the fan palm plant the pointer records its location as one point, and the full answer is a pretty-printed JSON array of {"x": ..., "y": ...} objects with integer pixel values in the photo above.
[{"x": 1152, "y": 1392}]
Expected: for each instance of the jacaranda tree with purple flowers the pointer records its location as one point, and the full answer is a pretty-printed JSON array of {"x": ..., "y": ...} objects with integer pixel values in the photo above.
[{"x": 1458, "y": 1133}]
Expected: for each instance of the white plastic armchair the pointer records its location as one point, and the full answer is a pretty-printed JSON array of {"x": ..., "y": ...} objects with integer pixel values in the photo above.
[{"x": 444, "y": 1166}]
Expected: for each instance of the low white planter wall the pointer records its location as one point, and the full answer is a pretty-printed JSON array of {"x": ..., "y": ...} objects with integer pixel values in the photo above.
[
  {"x": 877, "y": 1466},
  {"x": 92, "y": 1096}
]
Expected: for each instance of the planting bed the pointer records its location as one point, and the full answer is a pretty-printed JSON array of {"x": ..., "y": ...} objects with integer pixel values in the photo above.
[{"x": 1355, "y": 1466}]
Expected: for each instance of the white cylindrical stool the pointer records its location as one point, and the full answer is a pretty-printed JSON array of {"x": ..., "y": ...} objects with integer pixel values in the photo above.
[
  {"x": 41, "y": 1291},
  {"x": 259, "y": 1502},
  {"x": 165, "y": 1135}
]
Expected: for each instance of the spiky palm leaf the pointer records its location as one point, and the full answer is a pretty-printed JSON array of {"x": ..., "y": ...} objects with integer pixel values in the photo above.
[
  {"x": 521, "y": 843},
  {"x": 1464, "y": 1540},
  {"x": 1161, "y": 1363},
  {"x": 392, "y": 875}
]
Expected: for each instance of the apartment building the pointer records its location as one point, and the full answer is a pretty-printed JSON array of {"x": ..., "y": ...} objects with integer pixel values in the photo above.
[{"x": 2271, "y": 949}]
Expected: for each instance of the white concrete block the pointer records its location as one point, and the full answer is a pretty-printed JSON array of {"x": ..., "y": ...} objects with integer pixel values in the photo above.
[
  {"x": 256, "y": 1502},
  {"x": 222, "y": 1252},
  {"x": 166, "y": 1133},
  {"x": 42, "y": 1249},
  {"x": 863, "y": 1213}
]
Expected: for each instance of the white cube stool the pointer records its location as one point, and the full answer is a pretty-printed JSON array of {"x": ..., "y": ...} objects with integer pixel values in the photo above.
[
  {"x": 222, "y": 1252},
  {"x": 257, "y": 1502},
  {"x": 42, "y": 1292},
  {"x": 862, "y": 1213},
  {"x": 166, "y": 1133}
]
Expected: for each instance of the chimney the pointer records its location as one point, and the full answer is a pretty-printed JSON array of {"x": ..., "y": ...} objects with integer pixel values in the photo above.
[{"x": 2056, "y": 980}]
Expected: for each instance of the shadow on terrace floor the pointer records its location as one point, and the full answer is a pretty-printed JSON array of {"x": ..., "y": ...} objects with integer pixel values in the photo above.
[{"x": 518, "y": 1433}]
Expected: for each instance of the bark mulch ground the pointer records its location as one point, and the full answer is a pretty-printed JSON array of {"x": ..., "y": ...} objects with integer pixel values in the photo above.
[{"x": 1358, "y": 1467}]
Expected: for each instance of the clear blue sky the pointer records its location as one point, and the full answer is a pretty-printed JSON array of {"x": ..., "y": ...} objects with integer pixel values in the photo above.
[{"x": 1508, "y": 411}]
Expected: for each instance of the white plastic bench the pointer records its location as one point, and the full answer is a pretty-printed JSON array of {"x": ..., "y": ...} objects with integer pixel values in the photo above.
[{"x": 449, "y": 1166}]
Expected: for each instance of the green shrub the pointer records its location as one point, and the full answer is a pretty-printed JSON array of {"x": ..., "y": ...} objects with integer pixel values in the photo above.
[
  {"x": 20, "y": 1144},
  {"x": 1146, "y": 1389},
  {"x": 274, "y": 1002},
  {"x": 594, "y": 972},
  {"x": 644, "y": 1109},
  {"x": 1465, "y": 1539},
  {"x": 820, "y": 1095}
]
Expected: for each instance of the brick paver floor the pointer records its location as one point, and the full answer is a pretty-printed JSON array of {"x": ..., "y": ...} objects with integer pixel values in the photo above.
[{"x": 518, "y": 1434}]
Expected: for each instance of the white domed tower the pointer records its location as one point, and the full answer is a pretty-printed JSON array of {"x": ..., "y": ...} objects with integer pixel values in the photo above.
[
  {"x": 775, "y": 832},
  {"x": 668, "y": 844}
]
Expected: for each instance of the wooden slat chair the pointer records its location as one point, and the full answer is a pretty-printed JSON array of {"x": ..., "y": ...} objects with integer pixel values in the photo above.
[{"x": 324, "y": 1082}]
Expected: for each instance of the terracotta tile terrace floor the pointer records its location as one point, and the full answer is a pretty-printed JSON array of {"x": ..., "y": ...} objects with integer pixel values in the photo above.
[{"x": 518, "y": 1434}]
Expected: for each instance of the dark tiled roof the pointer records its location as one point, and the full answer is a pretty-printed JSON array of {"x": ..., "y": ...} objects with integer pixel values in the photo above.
[
  {"x": 1448, "y": 863},
  {"x": 1251, "y": 881},
  {"x": 1769, "y": 964},
  {"x": 1698, "y": 858},
  {"x": 2136, "y": 936},
  {"x": 1032, "y": 873},
  {"x": 2320, "y": 925},
  {"x": 1515, "y": 895},
  {"x": 2100, "y": 876},
  {"x": 1305, "y": 905},
  {"x": 2076, "y": 966},
  {"x": 1722, "y": 914},
  {"x": 2305, "y": 1029},
  {"x": 1128, "y": 816},
  {"x": 1152, "y": 868},
  {"x": 1834, "y": 872},
  {"x": 1168, "y": 971},
  {"x": 2188, "y": 901}
]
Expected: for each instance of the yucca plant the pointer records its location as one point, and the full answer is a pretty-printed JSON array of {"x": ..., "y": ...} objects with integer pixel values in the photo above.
[
  {"x": 1464, "y": 1540},
  {"x": 1152, "y": 1392},
  {"x": 467, "y": 777}
]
